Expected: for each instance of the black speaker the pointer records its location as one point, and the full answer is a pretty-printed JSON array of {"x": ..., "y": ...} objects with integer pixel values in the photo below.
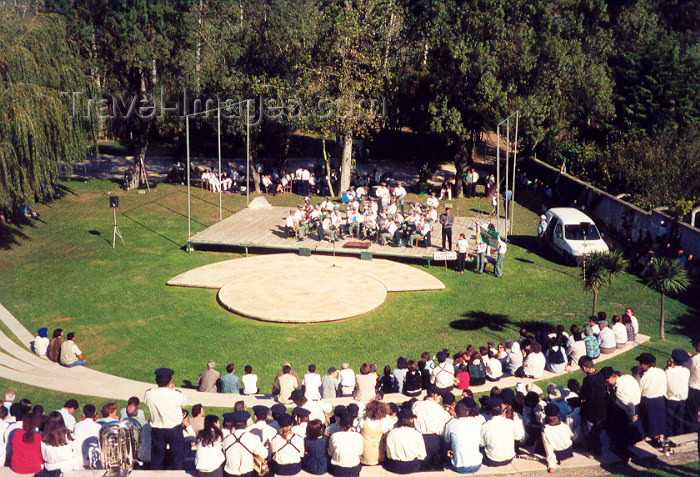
[{"x": 113, "y": 201}]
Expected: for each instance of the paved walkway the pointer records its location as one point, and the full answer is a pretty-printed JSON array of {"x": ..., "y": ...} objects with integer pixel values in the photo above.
[
  {"x": 18, "y": 363},
  {"x": 288, "y": 288}
]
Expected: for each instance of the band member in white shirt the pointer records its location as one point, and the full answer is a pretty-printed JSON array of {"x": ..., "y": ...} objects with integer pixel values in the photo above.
[
  {"x": 286, "y": 448},
  {"x": 652, "y": 408},
  {"x": 345, "y": 449},
  {"x": 405, "y": 447},
  {"x": 165, "y": 404}
]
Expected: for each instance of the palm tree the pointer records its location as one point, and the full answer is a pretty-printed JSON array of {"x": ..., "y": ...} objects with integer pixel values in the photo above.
[
  {"x": 666, "y": 275},
  {"x": 600, "y": 269}
]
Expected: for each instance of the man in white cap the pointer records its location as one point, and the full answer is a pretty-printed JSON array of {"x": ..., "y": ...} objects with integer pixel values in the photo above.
[{"x": 541, "y": 229}]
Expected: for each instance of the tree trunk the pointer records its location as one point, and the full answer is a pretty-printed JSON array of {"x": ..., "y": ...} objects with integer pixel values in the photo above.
[
  {"x": 346, "y": 163},
  {"x": 460, "y": 160},
  {"x": 285, "y": 151},
  {"x": 327, "y": 160},
  {"x": 595, "y": 302},
  {"x": 254, "y": 176},
  {"x": 662, "y": 335}
]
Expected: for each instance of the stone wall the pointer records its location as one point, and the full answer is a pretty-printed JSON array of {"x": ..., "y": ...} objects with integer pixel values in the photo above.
[{"x": 616, "y": 214}]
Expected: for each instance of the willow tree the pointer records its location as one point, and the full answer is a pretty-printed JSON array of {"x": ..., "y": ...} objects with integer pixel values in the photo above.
[{"x": 38, "y": 130}]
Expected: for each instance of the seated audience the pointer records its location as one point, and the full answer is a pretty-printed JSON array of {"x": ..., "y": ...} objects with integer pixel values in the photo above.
[
  {"x": 387, "y": 382},
  {"x": 365, "y": 385},
  {"x": 498, "y": 435},
  {"x": 345, "y": 448},
  {"x": 405, "y": 447},
  {"x": 556, "y": 438},
  {"x": 57, "y": 445},
  {"x": 25, "y": 442},
  {"x": 463, "y": 435},
  {"x": 286, "y": 448},
  {"x": 40, "y": 345},
  {"x": 53, "y": 352},
  {"x": 241, "y": 446},
  {"x": 606, "y": 338},
  {"x": 346, "y": 376},
  {"x": 209, "y": 454},
  {"x": 249, "y": 381},
  {"x": 230, "y": 383},
  {"x": 132, "y": 412},
  {"x": 312, "y": 384},
  {"x": 86, "y": 446},
  {"x": 620, "y": 332},
  {"x": 330, "y": 384}
]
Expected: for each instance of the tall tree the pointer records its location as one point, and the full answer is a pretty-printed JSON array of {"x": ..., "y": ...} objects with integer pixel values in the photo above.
[
  {"x": 666, "y": 276},
  {"x": 39, "y": 130}
]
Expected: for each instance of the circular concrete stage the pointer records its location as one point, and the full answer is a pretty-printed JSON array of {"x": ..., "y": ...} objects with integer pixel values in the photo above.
[
  {"x": 302, "y": 295},
  {"x": 287, "y": 288}
]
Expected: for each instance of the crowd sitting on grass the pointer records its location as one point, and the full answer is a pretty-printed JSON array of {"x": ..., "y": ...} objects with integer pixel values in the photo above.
[{"x": 608, "y": 411}]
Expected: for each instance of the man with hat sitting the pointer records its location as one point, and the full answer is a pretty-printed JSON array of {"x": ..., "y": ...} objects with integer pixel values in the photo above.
[
  {"x": 286, "y": 448},
  {"x": 430, "y": 421},
  {"x": 165, "y": 405},
  {"x": 301, "y": 419},
  {"x": 652, "y": 407},
  {"x": 405, "y": 448},
  {"x": 556, "y": 437},
  {"x": 240, "y": 446},
  {"x": 261, "y": 428},
  {"x": 498, "y": 435}
]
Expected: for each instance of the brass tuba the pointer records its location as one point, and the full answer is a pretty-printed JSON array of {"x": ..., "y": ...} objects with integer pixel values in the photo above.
[{"x": 119, "y": 447}]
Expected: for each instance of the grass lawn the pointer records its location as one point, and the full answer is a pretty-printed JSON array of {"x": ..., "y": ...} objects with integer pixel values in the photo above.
[{"x": 62, "y": 272}]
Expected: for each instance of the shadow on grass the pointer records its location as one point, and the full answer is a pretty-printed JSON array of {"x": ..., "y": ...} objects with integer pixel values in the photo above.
[
  {"x": 686, "y": 324},
  {"x": 153, "y": 231},
  {"x": 477, "y": 320},
  {"x": 99, "y": 234},
  {"x": 10, "y": 236}
]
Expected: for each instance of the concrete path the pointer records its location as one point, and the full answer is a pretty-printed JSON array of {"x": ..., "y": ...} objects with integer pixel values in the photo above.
[{"x": 18, "y": 363}]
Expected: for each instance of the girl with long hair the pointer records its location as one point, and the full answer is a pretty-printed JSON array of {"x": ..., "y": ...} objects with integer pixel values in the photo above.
[
  {"x": 57, "y": 445},
  {"x": 209, "y": 456}
]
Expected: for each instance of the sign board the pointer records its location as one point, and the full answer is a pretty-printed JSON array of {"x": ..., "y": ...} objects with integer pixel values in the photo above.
[
  {"x": 490, "y": 237},
  {"x": 445, "y": 256}
]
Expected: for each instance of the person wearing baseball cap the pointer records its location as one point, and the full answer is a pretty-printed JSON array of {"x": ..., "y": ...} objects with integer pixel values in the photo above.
[
  {"x": 286, "y": 448},
  {"x": 240, "y": 446},
  {"x": 652, "y": 408},
  {"x": 556, "y": 437},
  {"x": 165, "y": 404},
  {"x": 677, "y": 377},
  {"x": 405, "y": 447}
]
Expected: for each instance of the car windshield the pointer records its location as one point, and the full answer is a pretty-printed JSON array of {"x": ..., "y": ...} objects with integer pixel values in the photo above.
[{"x": 583, "y": 231}]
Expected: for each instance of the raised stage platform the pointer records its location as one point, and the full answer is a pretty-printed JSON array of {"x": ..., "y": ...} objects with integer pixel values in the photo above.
[{"x": 264, "y": 229}]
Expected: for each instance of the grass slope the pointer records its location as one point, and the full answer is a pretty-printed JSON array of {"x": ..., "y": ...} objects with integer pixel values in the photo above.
[{"x": 62, "y": 272}]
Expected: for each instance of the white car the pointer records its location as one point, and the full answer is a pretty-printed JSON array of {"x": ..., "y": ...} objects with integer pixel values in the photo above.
[{"x": 572, "y": 234}]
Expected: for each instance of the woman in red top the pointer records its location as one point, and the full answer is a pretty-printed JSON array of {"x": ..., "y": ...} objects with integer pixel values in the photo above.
[
  {"x": 463, "y": 377},
  {"x": 26, "y": 448}
]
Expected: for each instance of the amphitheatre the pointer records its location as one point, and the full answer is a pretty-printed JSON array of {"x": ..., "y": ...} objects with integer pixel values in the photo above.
[{"x": 474, "y": 223}]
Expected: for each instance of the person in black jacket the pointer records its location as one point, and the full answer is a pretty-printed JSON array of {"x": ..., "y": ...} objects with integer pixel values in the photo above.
[{"x": 593, "y": 403}]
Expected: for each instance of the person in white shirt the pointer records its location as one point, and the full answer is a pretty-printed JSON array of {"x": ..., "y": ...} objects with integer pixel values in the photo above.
[
  {"x": 462, "y": 435},
  {"x": 261, "y": 428},
  {"x": 165, "y": 405},
  {"x": 240, "y": 446},
  {"x": 86, "y": 446},
  {"x": 400, "y": 195},
  {"x": 312, "y": 384},
  {"x": 249, "y": 381},
  {"x": 301, "y": 421},
  {"x": 345, "y": 449},
  {"x": 677, "y": 379},
  {"x": 462, "y": 246},
  {"x": 209, "y": 453},
  {"x": 41, "y": 342},
  {"x": 57, "y": 445},
  {"x": 534, "y": 363},
  {"x": 556, "y": 437},
  {"x": 70, "y": 353},
  {"x": 606, "y": 338},
  {"x": 432, "y": 201},
  {"x": 67, "y": 412},
  {"x": 405, "y": 447},
  {"x": 443, "y": 374},
  {"x": 498, "y": 435},
  {"x": 620, "y": 332},
  {"x": 286, "y": 448},
  {"x": 346, "y": 376},
  {"x": 494, "y": 367},
  {"x": 652, "y": 408},
  {"x": 693, "y": 401},
  {"x": 430, "y": 421},
  {"x": 635, "y": 323},
  {"x": 132, "y": 412}
]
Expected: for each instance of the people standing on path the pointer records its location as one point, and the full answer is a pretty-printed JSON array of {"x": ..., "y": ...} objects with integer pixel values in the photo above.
[{"x": 447, "y": 220}]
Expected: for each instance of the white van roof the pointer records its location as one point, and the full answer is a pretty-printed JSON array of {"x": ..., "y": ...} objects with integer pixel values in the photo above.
[{"x": 569, "y": 215}]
